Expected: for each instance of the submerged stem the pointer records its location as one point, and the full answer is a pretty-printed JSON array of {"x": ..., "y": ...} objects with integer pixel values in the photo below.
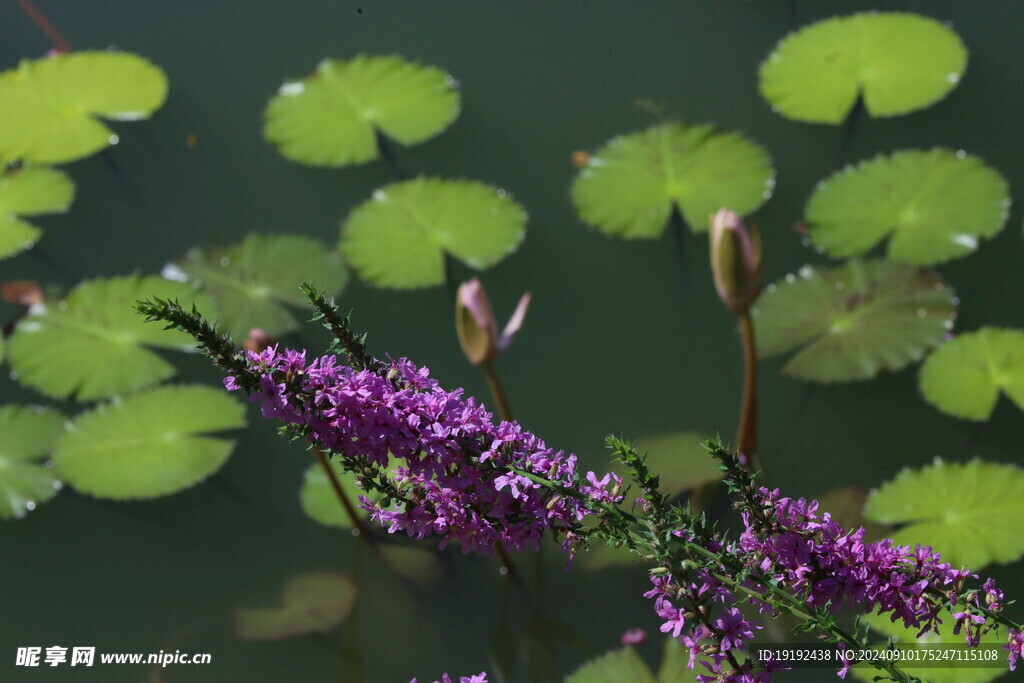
[{"x": 350, "y": 509}]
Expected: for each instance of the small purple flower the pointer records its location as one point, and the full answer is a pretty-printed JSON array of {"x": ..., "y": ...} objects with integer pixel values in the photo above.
[{"x": 1015, "y": 648}]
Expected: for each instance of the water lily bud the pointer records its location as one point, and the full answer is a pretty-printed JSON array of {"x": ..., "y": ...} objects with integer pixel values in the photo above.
[
  {"x": 735, "y": 260},
  {"x": 477, "y": 327},
  {"x": 257, "y": 340}
]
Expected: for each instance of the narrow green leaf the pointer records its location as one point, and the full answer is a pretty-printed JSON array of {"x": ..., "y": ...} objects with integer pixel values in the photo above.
[{"x": 150, "y": 444}]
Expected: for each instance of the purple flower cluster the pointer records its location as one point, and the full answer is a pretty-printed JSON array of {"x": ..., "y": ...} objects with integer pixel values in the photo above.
[
  {"x": 461, "y": 477},
  {"x": 445, "y": 678},
  {"x": 814, "y": 556}
]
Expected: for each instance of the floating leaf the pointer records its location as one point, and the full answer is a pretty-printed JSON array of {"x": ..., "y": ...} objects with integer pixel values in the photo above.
[
  {"x": 255, "y": 280},
  {"x": 972, "y": 513},
  {"x": 320, "y": 501},
  {"x": 936, "y": 204},
  {"x": 49, "y": 105},
  {"x": 398, "y": 239},
  {"x": 312, "y": 603},
  {"x": 964, "y": 377},
  {"x": 679, "y": 460},
  {"x": 618, "y": 666},
  {"x": 93, "y": 344},
  {"x": 419, "y": 565},
  {"x": 332, "y": 117},
  {"x": 854, "y": 320},
  {"x": 28, "y": 435},
  {"x": 944, "y": 639},
  {"x": 896, "y": 62},
  {"x": 630, "y": 187},
  {"x": 150, "y": 444},
  {"x": 675, "y": 664},
  {"x": 846, "y": 505},
  {"x": 29, "y": 191}
]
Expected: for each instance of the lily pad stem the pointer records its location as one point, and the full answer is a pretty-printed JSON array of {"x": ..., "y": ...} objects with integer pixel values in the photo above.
[
  {"x": 746, "y": 436},
  {"x": 494, "y": 383}
]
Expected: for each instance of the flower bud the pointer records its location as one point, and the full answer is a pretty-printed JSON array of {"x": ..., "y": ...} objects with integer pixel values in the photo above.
[
  {"x": 477, "y": 327},
  {"x": 735, "y": 260}
]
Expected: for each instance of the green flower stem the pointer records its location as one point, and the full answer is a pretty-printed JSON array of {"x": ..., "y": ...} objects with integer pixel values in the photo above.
[
  {"x": 494, "y": 384},
  {"x": 746, "y": 436},
  {"x": 350, "y": 509}
]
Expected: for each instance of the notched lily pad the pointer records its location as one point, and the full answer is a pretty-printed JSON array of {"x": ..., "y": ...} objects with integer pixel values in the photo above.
[
  {"x": 896, "y": 62},
  {"x": 949, "y": 673},
  {"x": 398, "y": 238},
  {"x": 255, "y": 281},
  {"x": 965, "y": 376},
  {"x": 972, "y": 513},
  {"x": 29, "y": 191},
  {"x": 937, "y": 205},
  {"x": 312, "y": 603},
  {"x": 29, "y": 433},
  {"x": 630, "y": 187},
  {"x": 51, "y": 106},
  {"x": 93, "y": 344},
  {"x": 332, "y": 117},
  {"x": 852, "y": 321},
  {"x": 150, "y": 444}
]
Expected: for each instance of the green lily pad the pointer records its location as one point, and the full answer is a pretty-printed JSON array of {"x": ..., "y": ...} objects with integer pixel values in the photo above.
[
  {"x": 419, "y": 565},
  {"x": 896, "y": 62},
  {"x": 28, "y": 436},
  {"x": 618, "y": 666},
  {"x": 29, "y": 191},
  {"x": 680, "y": 461},
  {"x": 852, "y": 321},
  {"x": 332, "y": 117},
  {"x": 320, "y": 502},
  {"x": 950, "y": 673},
  {"x": 255, "y": 281},
  {"x": 93, "y": 344},
  {"x": 937, "y": 205},
  {"x": 964, "y": 377},
  {"x": 630, "y": 187},
  {"x": 972, "y": 513},
  {"x": 150, "y": 444},
  {"x": 312, "y": 603},
  {"x": 398, "y": 239},
  {"x": 50, "y": 106}
]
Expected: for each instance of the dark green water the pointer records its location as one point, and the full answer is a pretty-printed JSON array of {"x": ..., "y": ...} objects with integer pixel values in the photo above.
[{"x": 622, "y": 337}]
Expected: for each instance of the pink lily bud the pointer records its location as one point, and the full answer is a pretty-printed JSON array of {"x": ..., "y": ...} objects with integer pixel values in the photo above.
[
  {"x": 477, "y": 327},
  {"x": 735, "y": 260}
]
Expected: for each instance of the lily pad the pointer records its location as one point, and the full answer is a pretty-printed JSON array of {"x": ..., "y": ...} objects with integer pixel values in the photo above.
[
  {"x": 320, "y": 502},
  {"x": 972, "y": 513},
  {"x": 398, "y": 239},
  {"x": 28, "y": 436},
  {"x": 51, "y": 106},
  {"x": 255, "y": 281},
  {"x": 618, "y": 666},
  {"x": 419, "y": 565},
  {"x": 312, "y": 603},
  {"x": 896, "y": 62},
  {"x": 679, "y": 460},
  {"x": 332, "y": 117},
  {"x": 630, "y": 187},
  {"x": 937, "y": 205},
  {"x": 29, "y": 191},
  {"x": 852, "y": 321},
  {"x": 93, "y": 344},
  {"x": 964, "y": 377},
  {"x": 153, "y": 443},
  {"x": 950, "y": 673}
]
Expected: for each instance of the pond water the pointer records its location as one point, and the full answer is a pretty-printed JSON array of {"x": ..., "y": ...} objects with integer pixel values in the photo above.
[{"x": 625, "y": 338}]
